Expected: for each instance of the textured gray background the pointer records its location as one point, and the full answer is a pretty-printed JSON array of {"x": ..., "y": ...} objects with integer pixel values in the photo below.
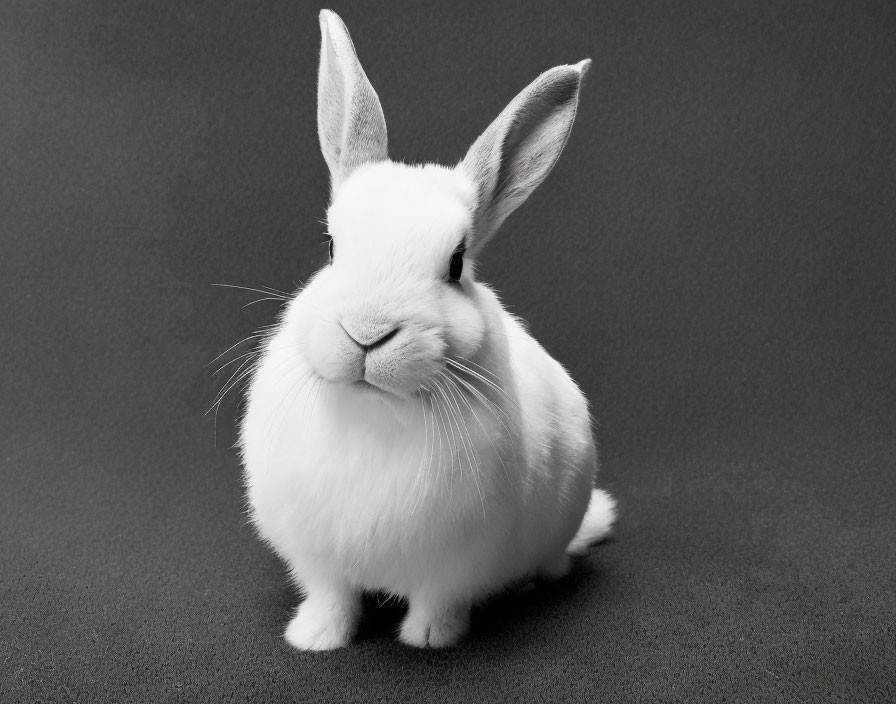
[{"x": 713, "y": 258}]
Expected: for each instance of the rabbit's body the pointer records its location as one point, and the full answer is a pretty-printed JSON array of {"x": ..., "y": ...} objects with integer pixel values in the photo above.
[
  {"x": 407, "y": 500},
  {"x": 404, "y": 433}
]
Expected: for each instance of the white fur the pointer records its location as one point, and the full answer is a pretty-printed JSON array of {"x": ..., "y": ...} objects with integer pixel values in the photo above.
[
  {"x": 597, "y": 523},
  {"x": 441, "y": 465}
]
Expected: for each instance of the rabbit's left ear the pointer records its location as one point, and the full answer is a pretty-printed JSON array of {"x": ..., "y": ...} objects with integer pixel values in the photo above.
[
  {"x": 350, "y": 122},
  {"x": 522, "y": 145}
]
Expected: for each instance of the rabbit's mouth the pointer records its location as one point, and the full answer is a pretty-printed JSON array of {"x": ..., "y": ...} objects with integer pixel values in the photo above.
[
  {"x": 395, "y": 398},
  {"x": 367, "y": 387}
]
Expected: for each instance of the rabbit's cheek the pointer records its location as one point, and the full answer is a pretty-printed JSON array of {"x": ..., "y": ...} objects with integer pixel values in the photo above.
[
  {"x": 464, "y": 329},
  {"x": 332, "y": 354}
]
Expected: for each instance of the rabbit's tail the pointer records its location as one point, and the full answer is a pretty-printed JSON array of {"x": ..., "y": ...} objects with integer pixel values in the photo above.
[{"x": 596, "y": 524}]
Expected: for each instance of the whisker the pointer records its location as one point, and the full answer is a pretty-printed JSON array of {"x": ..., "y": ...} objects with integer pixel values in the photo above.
[
  {"x": 463, "y": 367},
  {"x": 493, "y": 408},
  {"x": 270, "y": 291},
  {"x": 436, "y": 427},
  {"x": 234, "y": 379},
  {"x": 243, "y": 372},
  {"x": 487, "y": 402},
  {"x": 482, "y": 369},
  {"x": 245, "y": 339},
  {"x": 267, "y": 298},
  {"x": 469, "y": 450},
  {"x": 423, "y": 468},
  {"x": 443, "y": 426},
  {"x": 477, "y": 375},
  {"x": 250, "y": 353},
  {"x": 454, "y": 382},
  {"x": 278, "y": 291}
]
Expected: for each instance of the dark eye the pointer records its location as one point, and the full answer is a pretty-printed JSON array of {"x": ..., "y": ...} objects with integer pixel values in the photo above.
[
  {"x": 456, "y": 267},
  {"x": 329, "y": 241}
]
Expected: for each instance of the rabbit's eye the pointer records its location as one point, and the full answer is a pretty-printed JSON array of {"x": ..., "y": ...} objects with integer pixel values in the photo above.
[
  {"x": 329, "y": 241},
  {"x": 456, "y": 266}
]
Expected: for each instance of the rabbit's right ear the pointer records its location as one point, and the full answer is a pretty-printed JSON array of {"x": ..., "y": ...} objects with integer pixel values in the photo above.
[{"x": 350, "y": 122}]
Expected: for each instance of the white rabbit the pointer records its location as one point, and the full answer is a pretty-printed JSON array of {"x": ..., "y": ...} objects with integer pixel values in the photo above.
[{"x": 404, "y": 433}]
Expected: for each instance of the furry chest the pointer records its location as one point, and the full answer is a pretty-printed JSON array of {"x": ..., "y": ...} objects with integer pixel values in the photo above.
[{"x": 364, "y": 499}]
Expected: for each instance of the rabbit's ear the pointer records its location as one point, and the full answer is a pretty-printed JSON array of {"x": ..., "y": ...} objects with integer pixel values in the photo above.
[
  {"x": 520, "y": 147},
  {"x": 350, "y": 122}
]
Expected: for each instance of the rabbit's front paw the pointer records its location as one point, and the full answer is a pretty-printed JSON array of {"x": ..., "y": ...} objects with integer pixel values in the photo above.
[
  {"x": 323, "y": 623},
  {"x": 424, "y": 627}
]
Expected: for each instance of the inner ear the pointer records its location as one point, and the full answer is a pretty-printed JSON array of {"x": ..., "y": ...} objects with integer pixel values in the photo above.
[
  {"x": 521, "y": 146},
  {"x": 532, "y": 140},
  {"x": 350, "y": 122}
]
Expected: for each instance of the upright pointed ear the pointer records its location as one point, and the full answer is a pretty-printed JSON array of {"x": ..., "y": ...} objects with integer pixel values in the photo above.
[
  {"x": 522, "y": 145},
  {"x": 350, "y": 122}
]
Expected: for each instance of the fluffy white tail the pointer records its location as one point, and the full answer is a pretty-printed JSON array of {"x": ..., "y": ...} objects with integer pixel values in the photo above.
[{"x": 596, "y": 524}]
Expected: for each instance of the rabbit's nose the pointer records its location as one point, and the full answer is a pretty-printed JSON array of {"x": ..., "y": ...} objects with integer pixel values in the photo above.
[
  {"x": 382, "y": 339},
  {"x": 372, "y": 337}
]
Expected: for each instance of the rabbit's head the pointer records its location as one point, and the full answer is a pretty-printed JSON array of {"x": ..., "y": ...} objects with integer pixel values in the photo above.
[{"x": 398, "y": 298}]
